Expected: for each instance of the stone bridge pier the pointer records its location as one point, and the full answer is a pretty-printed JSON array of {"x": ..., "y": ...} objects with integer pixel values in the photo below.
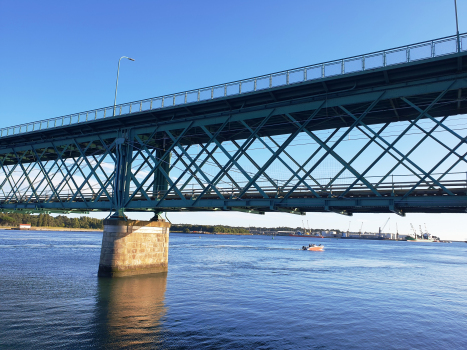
[{"x": 132, "y": 247}]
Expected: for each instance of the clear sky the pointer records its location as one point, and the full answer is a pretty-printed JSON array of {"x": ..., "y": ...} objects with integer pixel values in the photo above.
[{"x": 60, "y": 57}]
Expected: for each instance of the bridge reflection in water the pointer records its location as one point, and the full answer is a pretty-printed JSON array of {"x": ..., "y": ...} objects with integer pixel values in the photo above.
[{"x": 129, "y": 311}]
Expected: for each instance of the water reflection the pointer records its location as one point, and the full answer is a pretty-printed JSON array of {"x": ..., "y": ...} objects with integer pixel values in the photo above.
[{"x": 129, "y": 311}]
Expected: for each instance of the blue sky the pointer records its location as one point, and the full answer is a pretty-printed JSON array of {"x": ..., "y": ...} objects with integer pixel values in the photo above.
[{"x": 60, "y": 57}]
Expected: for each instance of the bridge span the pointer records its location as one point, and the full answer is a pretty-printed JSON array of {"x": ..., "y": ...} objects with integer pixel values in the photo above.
[{"x": 381, "y": 132}]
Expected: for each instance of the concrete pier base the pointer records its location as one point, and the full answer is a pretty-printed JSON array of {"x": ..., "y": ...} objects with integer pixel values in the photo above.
[{"x": 132, "y": 247}]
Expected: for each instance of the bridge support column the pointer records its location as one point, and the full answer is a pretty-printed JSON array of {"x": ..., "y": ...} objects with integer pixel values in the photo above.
[{"x": 132, "y": 247}]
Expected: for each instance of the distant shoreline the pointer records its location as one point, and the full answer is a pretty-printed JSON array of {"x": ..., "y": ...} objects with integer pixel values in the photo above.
[
  {"x": 67, "y": 229},
  {"x": 214, "y": 233}
]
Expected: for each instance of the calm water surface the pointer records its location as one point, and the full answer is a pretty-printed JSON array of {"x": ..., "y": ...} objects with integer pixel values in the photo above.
[{"x": 234, "y": 292}]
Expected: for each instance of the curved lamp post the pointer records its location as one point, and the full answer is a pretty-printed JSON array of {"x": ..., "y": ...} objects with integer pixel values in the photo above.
[
  {"x": 457, "y": 28},
  {"x": 116, "y": 84}
]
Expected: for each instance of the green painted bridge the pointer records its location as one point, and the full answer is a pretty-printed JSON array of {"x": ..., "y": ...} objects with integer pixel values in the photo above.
[{"x": 380, "y": 132}]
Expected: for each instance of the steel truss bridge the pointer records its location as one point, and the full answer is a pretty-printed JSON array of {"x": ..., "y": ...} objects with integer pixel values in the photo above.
[{"x": 381, "y": 132}]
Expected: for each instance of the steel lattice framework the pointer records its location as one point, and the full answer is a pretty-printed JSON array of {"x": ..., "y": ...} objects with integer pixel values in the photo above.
[{"x": 392, "y": 139}]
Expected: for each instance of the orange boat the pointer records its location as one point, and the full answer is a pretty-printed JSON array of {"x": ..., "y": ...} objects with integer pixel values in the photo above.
[{"x": 313, "y": 247}]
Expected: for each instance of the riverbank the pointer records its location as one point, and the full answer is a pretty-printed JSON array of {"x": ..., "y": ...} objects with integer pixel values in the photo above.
[
  {"x": 46, "y": 228},
  {"x": 215, "y": 233}
]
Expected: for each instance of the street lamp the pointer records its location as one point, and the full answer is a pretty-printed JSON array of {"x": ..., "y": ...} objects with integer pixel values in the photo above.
[
  {"x": 116, "y": 84},
  {"x": 457, "y": 28}
]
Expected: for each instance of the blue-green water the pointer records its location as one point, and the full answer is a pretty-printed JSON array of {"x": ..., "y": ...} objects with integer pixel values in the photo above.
[{"x": 234, "y": 292}]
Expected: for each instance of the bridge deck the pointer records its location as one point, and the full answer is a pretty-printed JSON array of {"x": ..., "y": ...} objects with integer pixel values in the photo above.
[
  {"x": 142, "y": 158},
  {"x": 433, "y": 199},
  {"x": 420, "y": 76}
]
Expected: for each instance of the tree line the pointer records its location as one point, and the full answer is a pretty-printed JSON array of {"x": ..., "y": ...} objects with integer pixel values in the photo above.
[
  {"x": 187, "y": 228},
  {"x": 286, "y": 228},
  {"x": 46, "y": 220}
]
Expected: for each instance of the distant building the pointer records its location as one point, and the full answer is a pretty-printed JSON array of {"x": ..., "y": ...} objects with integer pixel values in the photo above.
[
  {"x": 369, "y": 235},
  {"x": 24, "y": 226}
]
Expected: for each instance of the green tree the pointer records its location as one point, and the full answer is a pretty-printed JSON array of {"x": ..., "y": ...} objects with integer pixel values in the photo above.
[
  {"x": 41, "y": 220},
  {"x": 7, "y": 220}
]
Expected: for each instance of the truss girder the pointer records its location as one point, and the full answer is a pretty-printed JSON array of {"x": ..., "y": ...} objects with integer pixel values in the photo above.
[{"x": 338, "y": 153}]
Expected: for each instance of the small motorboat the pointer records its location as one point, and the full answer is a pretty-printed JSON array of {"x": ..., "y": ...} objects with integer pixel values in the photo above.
[{"x": 315, "y": 247}]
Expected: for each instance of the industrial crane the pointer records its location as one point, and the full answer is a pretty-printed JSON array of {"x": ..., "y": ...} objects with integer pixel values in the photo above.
[
  {"x": 381, "y": 229},
  {"x": 413, "y": 229}
]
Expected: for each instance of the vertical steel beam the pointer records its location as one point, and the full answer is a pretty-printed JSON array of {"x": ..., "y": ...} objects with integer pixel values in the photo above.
[{"x": 157, "y": 164}]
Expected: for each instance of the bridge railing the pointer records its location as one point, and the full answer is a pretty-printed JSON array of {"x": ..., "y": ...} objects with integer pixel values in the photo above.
[
  {"x": 398, "y": 186},
  {"x": 400, "y": 55}
]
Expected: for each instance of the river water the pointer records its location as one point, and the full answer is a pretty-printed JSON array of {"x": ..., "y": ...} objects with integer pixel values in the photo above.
[{"x": 234, "y": 292}]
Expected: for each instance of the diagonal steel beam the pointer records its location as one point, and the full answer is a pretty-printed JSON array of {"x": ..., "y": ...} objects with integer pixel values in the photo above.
[
  {"x": 142, "y": 190},
  {"x": 46, "y": 176},
  {"x": 67, "y": 176},
  {"x": 377, "y": 135},
  {"x": 453, "y": 165},
  {"x": 107, "y": 178},
  {"x": 69, "y": 172},
  {"x": 34, "y": 192},
  {"x": 204, "y": 148},
  {"x": 401, "y": 160},
  {"x": 162, "y": 171},
  {"x": 236, "y": 155},
  {"x": 194, "y": 163},
  {"x": 34, "y": 181},
  {"x": 282, "y": 147},
  {"x": 21, "y": 181},
  {"x": 372, "y": 139},
  {"x": 391, "y": 146},
  {"x": 19, "y": 161},
  {"x": 84, "y": 176},
  {"x": 234, "y": 162},
  {"x": 187, "y": 168},
  {"x": 433, "y": 169},
  {"x": 6, "y": 176},
  {"x": 15, "y": 187},
  {"x": 157, "y": 164},
  {"x": 330, "y": 150},
  {"x": 252, "y": 161},
  {"x": 434, "y": 119},
  {"x": 227, "y": 167},
  {"x": 92, "y": 171},
  {"x": 302, "y": 167},
  {"x": 111, "y": 177},
  {"x": 209, "y": 155},
  {"x": 295, "y": 173},
  {"x": 440, "y": 142}
]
